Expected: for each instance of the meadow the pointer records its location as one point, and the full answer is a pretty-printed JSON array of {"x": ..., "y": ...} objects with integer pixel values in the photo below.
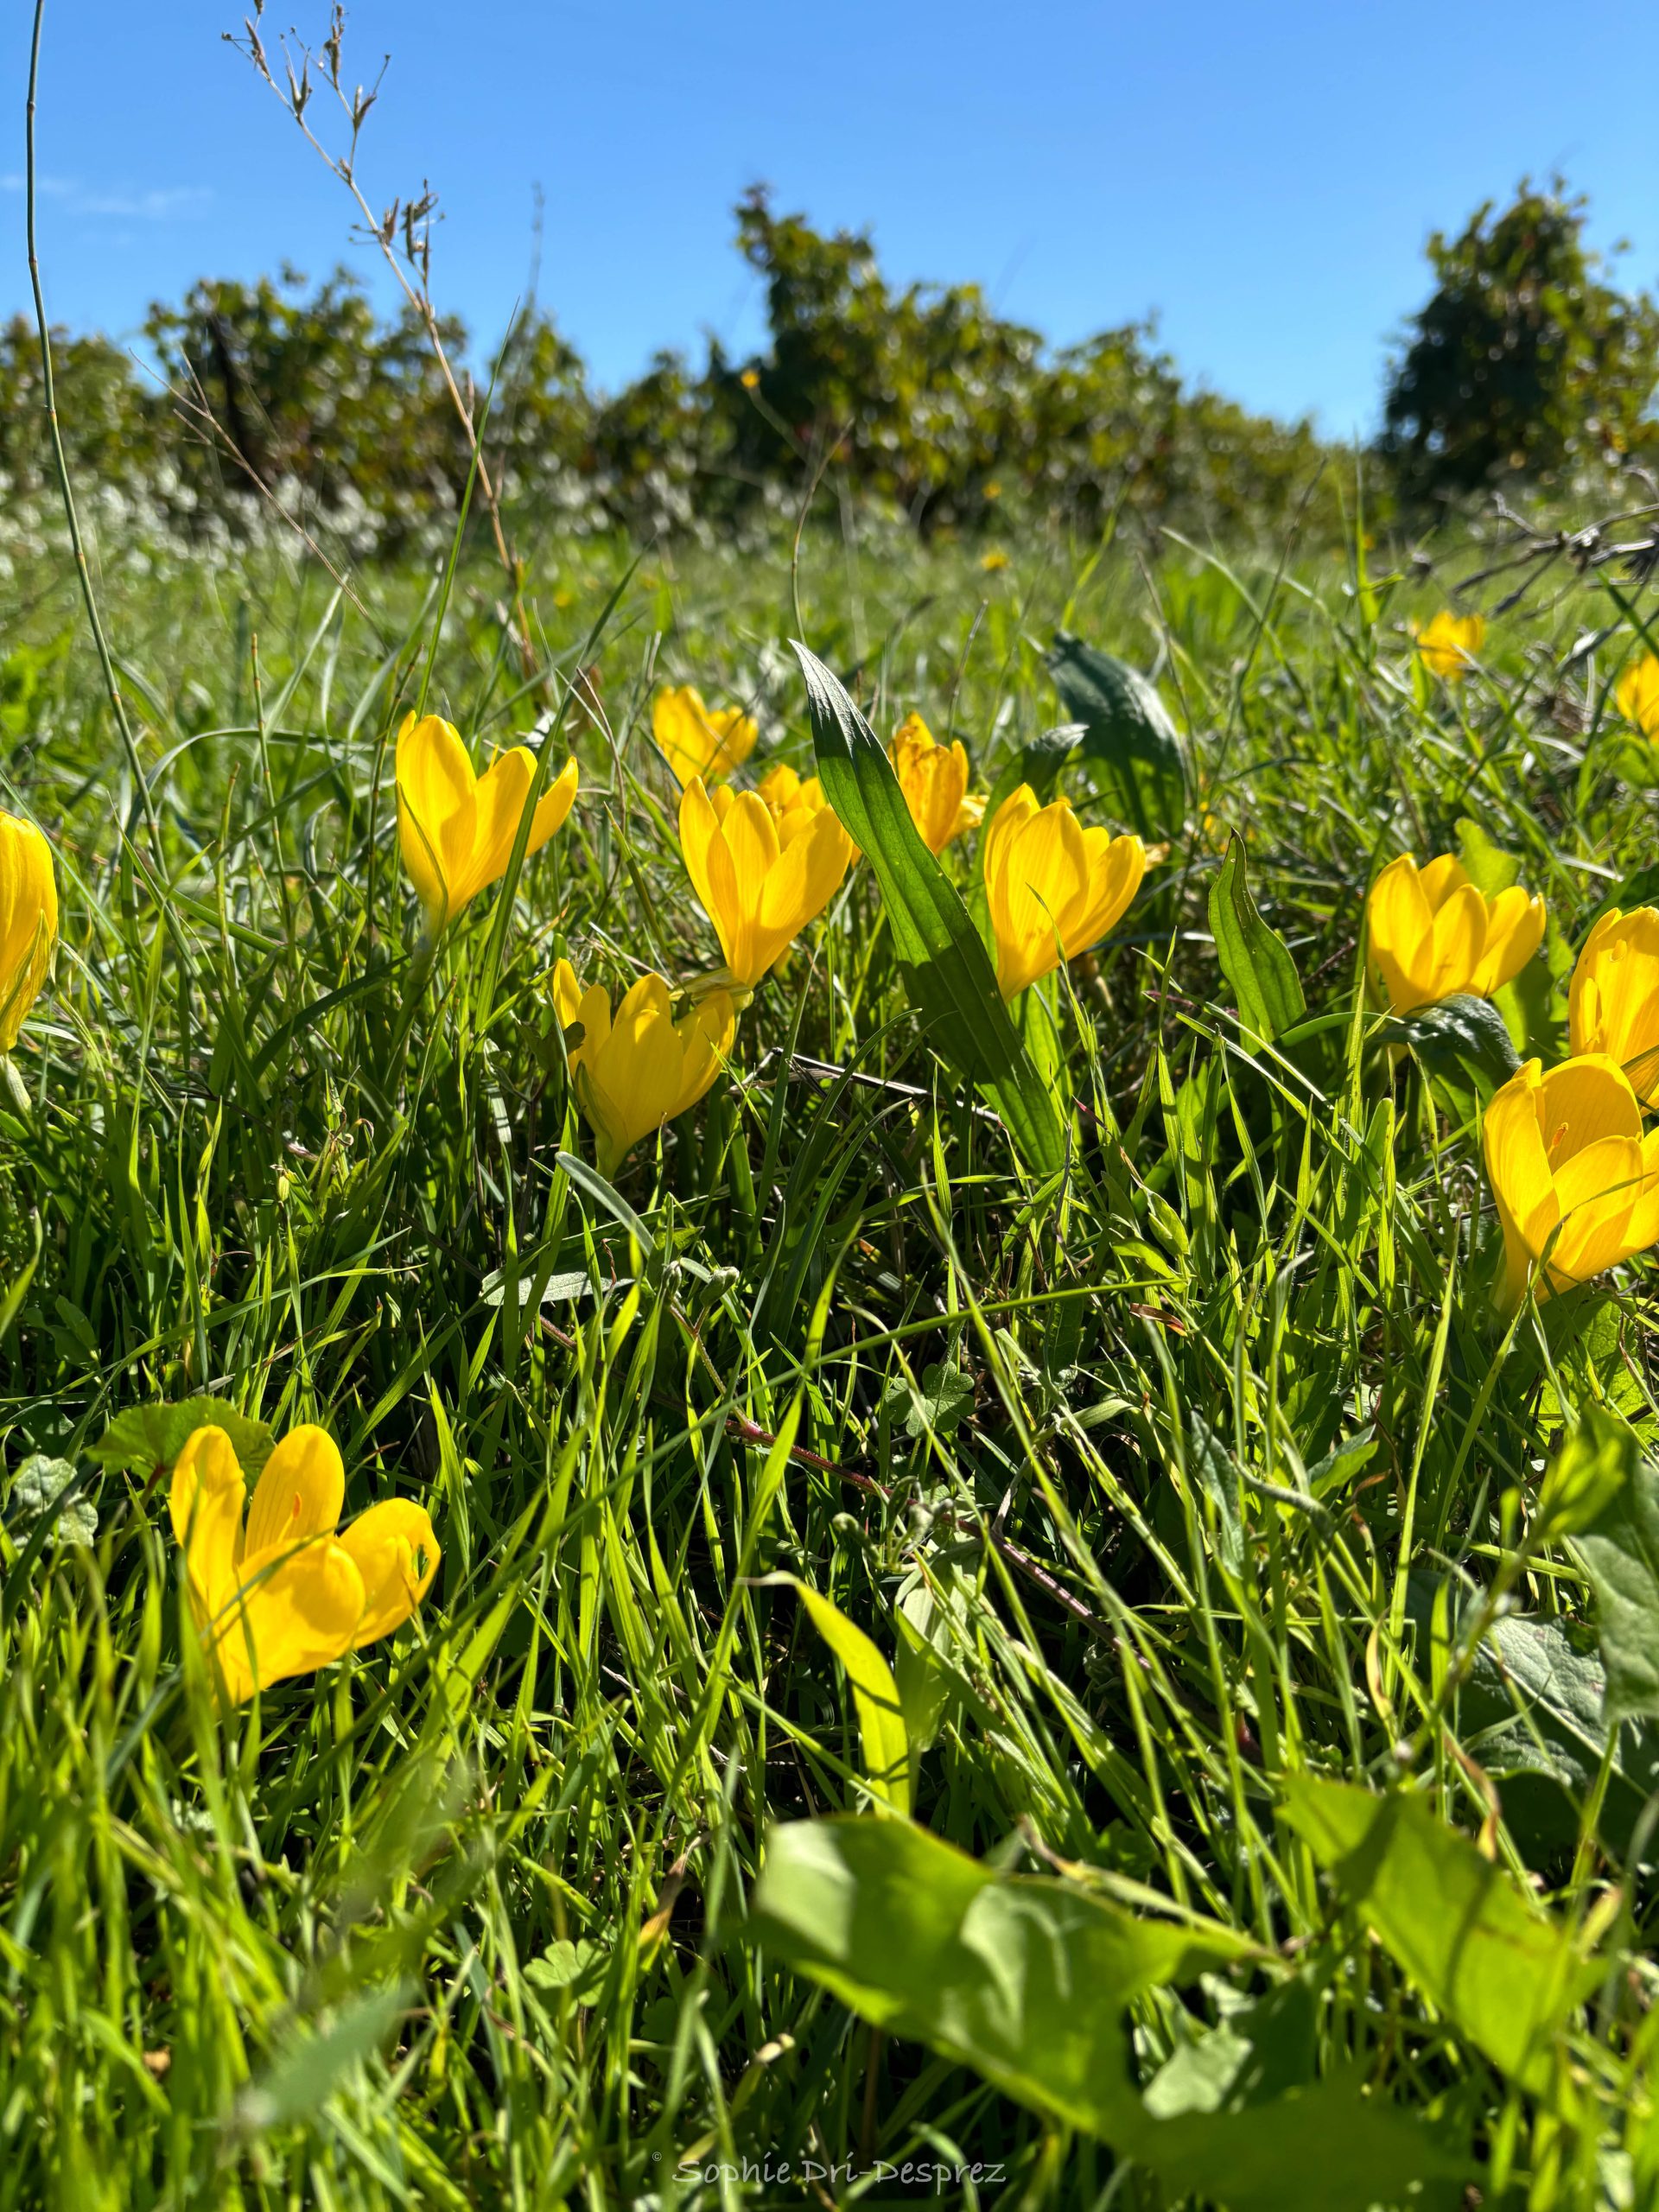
[{"x": 1026, "y": 1606}]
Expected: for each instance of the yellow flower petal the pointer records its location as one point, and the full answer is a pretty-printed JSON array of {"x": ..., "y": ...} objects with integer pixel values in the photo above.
[
  {"x": 294, "y": 1610},
  {"x": 299, "y": 1493},
  {"x": 29, "y": 921},
  {"x": 396, "y": 1554}
]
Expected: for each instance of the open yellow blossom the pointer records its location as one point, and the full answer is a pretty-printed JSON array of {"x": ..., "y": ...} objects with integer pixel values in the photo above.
[
  {"x": 934, "y": 780},
  {"x": 642, "y": 1068},
  {"x": 1636, "y": 695},
  {"x": 698, "y": 740},
  {"x": 286, "y": 1594},
  {"x": 786, "y": 792},
  {"x": 1576, "y": 1182},
  {"x": 29, "y": 921},
  {"x": 457, "y": 829},
  {"x": 1449, "y": 644},
  {"x": 1613, "y": 1000},
  {"x": 760, "y": 879},
  {"x": 1433, "y": 935},
  {"x": 1052, "y": 887}
]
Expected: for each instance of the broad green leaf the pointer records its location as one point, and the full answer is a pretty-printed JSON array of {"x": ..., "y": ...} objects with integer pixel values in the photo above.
[
  {"x": 1028, "y": 1980},
  {"x": 1462, "y": 1036},
  {"x": 146, "y": 1440},
  {"x": 875, "y": 1695},
  {"x": 1255, "y": 958},
  {"x": 44, "y": 1490},
  {"x": 1621, "y": 1550},
  {"x": 948, "y": 973},
  {"x": 314, "y": 2064},
  {"x": 1499, "y": 1970},
  {"x": 1129, "y": 739},
  {"x": 1587, "y": 1477},
  {"x": 1024, "y": 1979}
]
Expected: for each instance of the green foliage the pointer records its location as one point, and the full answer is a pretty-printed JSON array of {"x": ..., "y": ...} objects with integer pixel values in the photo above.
[
  {"x": 1256, "y": 1605},
  {"x": 1524, "y": 362}
]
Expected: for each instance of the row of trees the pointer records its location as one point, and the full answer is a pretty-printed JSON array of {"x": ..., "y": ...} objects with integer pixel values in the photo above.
[{"x": 1526, "y": 362}]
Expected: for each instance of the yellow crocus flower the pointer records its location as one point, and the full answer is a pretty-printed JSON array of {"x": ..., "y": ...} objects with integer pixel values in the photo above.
[
  {"x": 934, "y": 780},
  {"x": 699, "y": 740},
  {"x": 1433, "y": 935},
  {"x": 1573, "y": 1174},
  {"x": 29, "y": 921},
  {"x": 761, "y": 880},
  {"x": 286, "y": 1594},
  {"x": 1052, "y": 887},
  {"x": 456, "y": 828},
  {"x": 787, "y": 791},
  {"x": 1636, "y": 695},
  {"x": 642, "y": 1068},
  {"x": 1613, "y": 999},
  {"x": 1449, "y": 644}
]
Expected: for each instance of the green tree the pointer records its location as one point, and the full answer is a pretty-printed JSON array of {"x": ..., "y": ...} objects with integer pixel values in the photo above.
[{"x": 1524, "y": 362}]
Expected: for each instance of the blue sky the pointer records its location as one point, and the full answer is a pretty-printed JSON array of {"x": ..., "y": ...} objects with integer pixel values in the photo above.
[{"x": 1262, "y": 177}]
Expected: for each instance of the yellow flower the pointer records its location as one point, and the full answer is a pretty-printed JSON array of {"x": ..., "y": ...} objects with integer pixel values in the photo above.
[
  {"x": 750, "y": 379},
  {"x": 1613, "y": 1000},
  {"x": 1568, "y": 1162},
  {"x": 761, "y": 880},
  {"x": 286, "y": 1594},
  {"x": 643, "y": 1068},
  {"x": 996, "y": 559},
  {"x": 1053, "y": 888},
  {"x": 29, "y": 921},
  {"x": 934, "y": 779},
  {"x": 1433, "y": 935},
  {"x": 785, "y": 792},
  {"x": 1450, "y": 643},
  {"x": 1636, "y": 695},
  {"x": 696, "y": 742},
  {"x": 456, "y": 828}
]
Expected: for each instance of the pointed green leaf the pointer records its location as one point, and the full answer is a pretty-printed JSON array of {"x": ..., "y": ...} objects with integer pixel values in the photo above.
[
  {"x": 948, "y": 973},
  {"x": 1255, "y": 958},
  {"x": 875, "y": 1696},
  {"x": 1127, "y": 738}
]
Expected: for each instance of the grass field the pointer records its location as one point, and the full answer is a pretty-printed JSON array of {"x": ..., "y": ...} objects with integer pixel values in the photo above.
[{"x": 1189, "y": 1489}]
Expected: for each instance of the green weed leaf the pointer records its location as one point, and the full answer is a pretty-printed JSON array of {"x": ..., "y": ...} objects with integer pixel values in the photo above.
[
  {"x": 1128, "y": 739},
  {"x": 146, "y": 1440},
  {"x": 1255, "y": 958},
  {"x": 1621, "y": 1550}
]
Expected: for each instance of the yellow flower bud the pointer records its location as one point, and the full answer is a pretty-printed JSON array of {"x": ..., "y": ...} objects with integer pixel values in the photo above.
[
  {"x": 1636, "y": 697},
  {"x": 1613, "y": 1000},
  {"x": 697, "y": 741},
  {"x": 1052, "y": 887},
  {"x": 287, "y": 1594},
  {"x": 1433, "y": 935},
  {"x": 1449, "y": 644},
  {"x": 761, "y": 880},
  {"x": 457, "y": 829},
  {"x": 1573, "y": 1174},
  {"x": 642, "y": 1068},
  {"x": 29, "y": 921},
  {"x": 934, "y": 780}
]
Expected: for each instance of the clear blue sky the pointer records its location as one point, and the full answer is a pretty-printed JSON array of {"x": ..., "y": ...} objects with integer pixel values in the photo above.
[{"x": 1262, "y": 176}]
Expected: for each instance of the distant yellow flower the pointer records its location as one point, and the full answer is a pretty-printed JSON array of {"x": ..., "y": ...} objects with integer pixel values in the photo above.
[
  {"x": 1613, "y": 1000},
  {"x": 1636, "y": 695},
  {"x": 286, "y": 1594},
  {"x": 1433, "y": 935},
  {"x": 1568, "y": 1161},
  {"x": 696, "y": 741},
  {"x": 1052, "y": 887},
  {"x": 750, "y": 379},
  {"x": 456, "y": 828},
  {"x": 934, "y": 780},
  {"x": 643, "y": 1068},
  {"x": 761, "y": 880},
  {"x": 996, "y": 559},
  {"x": 29, "y": 921},
  {"x": 1450, "y": 643}
]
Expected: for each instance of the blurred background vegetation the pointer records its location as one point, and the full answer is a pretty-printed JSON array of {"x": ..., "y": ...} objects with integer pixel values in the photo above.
[{"x": 1527, "y": 367}]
